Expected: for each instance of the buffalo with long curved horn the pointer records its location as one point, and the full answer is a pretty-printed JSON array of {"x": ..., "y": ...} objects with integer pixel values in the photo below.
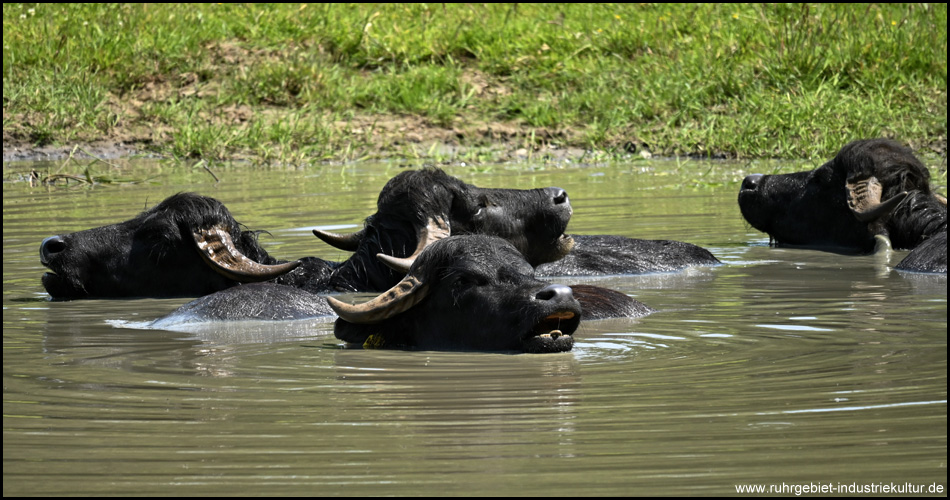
[
  {"x": 217, "y": 248},
  {"x": 468, "y": 292}
]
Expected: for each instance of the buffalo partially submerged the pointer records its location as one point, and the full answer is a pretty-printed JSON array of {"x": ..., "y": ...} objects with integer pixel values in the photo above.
[
  {"x": 419, "y": 206},
  {"x": 187, "y": 245},
  {"x": 190, "y": 245},
  {"x": 473, "y": 293},
  {"x": 540, "y": 239},
  {"x": 872, "y": 192},
  {"x": 469, "y": 292}
]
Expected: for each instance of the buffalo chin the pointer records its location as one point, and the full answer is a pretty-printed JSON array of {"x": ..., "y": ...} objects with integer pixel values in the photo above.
[
  {"x": 56, "y": 286},
  {"x": 558, "y": 249},
  {"x": 548, "y": 342},
  {"x": 549, "y": 334}
]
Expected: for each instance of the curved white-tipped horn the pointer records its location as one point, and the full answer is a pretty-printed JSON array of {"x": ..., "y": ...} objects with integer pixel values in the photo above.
[
  {"x": 395, "y": 263},
  {"x": 217, "y": 249},
  {"x": 882, "y": 244},
  {"x": 398, "y": 299},
  {"x": 864, "y": 199},
  {"x": 349, "y": 242},
  {"x": 436, "y": 229}
]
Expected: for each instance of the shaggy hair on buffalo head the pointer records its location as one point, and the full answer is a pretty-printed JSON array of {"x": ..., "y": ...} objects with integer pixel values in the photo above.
[
  {"x": 470, "y": 292},
  {"x": 476, "y": 292},
  {"x": 533, "y": 220},
  {"x": 154, "y": 253},
  {"x": 871, "y": 188}
]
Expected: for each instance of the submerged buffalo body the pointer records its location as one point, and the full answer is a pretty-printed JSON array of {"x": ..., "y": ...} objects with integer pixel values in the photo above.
[
  {"x": 872, "y": 191},
  {"x": 470, "y": 293},
  {"x": 189, "y": 245},
  {"x": 599, "y": 255}
]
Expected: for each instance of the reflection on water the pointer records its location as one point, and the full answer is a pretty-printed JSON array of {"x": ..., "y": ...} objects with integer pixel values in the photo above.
[{"x": 782, "y": 366}]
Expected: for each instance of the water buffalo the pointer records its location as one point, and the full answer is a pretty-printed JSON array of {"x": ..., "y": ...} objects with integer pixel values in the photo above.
[
  {"x": 190, "y": 245},
  {"x": 470, "y": 292},
  {"x": 872, "y": 191},
  {"x": 154, "y": 254},
  {"x": 454, "y": 284},
  {"x": 551, "y": 251}
]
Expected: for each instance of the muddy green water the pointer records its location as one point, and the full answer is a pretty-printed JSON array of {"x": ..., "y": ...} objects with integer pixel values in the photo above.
[{"x": 782, "y": 368}]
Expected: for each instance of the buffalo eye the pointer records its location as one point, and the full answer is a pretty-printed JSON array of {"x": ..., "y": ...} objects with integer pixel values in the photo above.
[
  {"x": 469, "y": 280},
  {"x": 483, "y": 204}
]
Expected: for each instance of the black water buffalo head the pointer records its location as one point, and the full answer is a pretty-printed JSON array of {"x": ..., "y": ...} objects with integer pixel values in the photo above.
[
  {"x": 871, "y": 188},
  {"x": 186, "y": 245},
  {"x": 470, "y": 292},
  {"x": 419, "y": 206},
  {"x": 155, "y": 255}
]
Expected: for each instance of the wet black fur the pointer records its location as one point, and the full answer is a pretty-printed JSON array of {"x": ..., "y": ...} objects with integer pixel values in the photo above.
[
  {"x": 810, "y": 208},
  {"x": 483, "y": 295},
  {"x": 153, "y": 254}
]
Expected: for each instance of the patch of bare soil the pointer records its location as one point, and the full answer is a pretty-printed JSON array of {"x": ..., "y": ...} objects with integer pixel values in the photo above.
[
  {"x": 380, "y": 136},
  {"x": 133, "y": 131}
]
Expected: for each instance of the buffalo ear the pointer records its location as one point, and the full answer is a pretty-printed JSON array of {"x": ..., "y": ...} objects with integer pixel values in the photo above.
[
  {"x": 397, "y": 300},
  {"x": 864, "y": 199},
  {"x": 217, "y": 249}
]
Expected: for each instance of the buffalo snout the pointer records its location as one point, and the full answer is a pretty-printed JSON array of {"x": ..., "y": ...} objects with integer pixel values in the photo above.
[
  {"x": 50, "y": 247},
  {"x": 751, "y": 182},
  {"x": 555, "y": 294},
  {"x": 558, "y": 196}
]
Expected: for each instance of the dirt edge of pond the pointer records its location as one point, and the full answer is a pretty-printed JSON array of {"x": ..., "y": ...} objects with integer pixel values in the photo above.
[
  {"x": 374, "y": 137},
  {"x": 398, "y": 137}
]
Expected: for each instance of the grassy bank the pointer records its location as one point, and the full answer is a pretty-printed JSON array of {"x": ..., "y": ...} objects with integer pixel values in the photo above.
[{"x": 309, "y": 82}]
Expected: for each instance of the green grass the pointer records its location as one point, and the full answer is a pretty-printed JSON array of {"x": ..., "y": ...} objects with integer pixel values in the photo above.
[{"x": 309, "y": 82}]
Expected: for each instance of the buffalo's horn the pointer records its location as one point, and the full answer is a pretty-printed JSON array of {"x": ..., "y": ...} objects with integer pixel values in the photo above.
[
  {"x": 395, "y": 263},
  {"x": 217, "y": 248},
  {"x": 941, "y": 198},
  {"x": 882, "y": 244},
  {"x": 349, "y": 242},
  {"x": 398, "y": 299},
  {"x": 436, "y": 229},
  {"x": 864, "y": 199}
]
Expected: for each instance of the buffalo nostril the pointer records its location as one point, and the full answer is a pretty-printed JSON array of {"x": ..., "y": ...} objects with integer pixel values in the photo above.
[
  {"x": 555, "y": 292},
  {"x": 559, "y": 195},
  {"x": 51, "y": 246},
  {"x": 751, "y": 181}
]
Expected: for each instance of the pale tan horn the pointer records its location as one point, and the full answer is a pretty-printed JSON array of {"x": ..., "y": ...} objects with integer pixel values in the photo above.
[
  {"x": 941, "y": 198},
  {"x": 395, "y": 263},
  {"x": 349, "y": 242},
  {"x": 864, "y": 199},
  {"x": 435, "y": 230},
  {"x": 217, "y": 249},
  {"x": 398, "y": 299}
]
